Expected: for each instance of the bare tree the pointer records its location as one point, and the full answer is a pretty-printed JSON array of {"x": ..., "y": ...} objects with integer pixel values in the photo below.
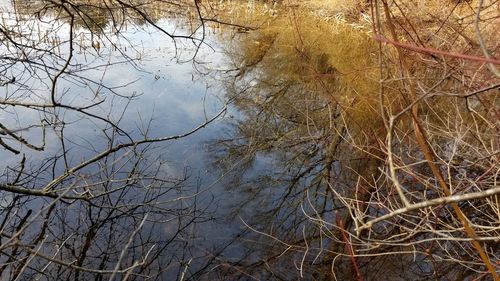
[
  {"x": 79, "y": 205},
  {"x": 382, "y": 138},
  {"x": 381, "y": 174}
]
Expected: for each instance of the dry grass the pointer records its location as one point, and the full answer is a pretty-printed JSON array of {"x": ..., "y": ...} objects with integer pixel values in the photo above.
[{"x": 336, "y": 8}]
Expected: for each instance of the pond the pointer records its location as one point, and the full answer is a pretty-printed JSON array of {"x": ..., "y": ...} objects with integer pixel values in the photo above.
[{"x": 227, "y": 140}]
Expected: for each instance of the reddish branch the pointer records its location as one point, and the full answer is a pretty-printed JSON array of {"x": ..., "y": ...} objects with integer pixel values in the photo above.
[
  {"x": 426, "y": 50},
  {"x": 348, "y": 245},
  {"x": 425, "y": 146}
]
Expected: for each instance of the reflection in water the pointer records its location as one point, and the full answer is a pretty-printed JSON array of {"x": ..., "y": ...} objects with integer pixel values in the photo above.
[
  {"x": 93, "y": 186},
  {"x": 104, "y": 135},
  {"x": 297, "y": 93},
  {"x": 308, "y": 160}
]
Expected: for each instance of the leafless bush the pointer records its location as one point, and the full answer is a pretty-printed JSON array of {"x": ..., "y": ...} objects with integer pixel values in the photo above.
[{"x": 397, "y": 180}]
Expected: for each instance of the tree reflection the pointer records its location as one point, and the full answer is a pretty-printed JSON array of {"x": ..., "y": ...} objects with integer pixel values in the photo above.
[
  {"x": 289, "y": 149},
  {"x": 310, "y": 161},
  {"x": 84, "y": 193},
  {"x": 356, "y": 151}
]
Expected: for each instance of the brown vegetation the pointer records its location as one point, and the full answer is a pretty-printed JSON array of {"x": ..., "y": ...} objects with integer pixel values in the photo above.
[
  {"x": 380, "y": 120},
  {"x": 392, "y": 123}
]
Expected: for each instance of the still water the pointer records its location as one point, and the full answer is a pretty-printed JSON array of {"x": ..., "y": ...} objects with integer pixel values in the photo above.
[
  {"x": 242, "y": 193},
  {"x": 131, "y": 85}
]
